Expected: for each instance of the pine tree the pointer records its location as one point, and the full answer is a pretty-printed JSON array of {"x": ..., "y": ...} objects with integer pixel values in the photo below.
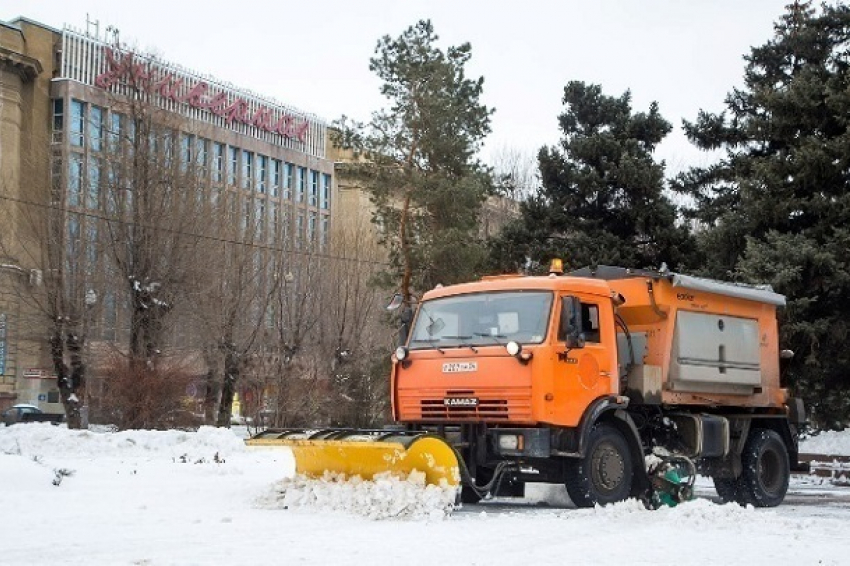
[
  {"x": 602, "y": 200},
  {"x": 418, "y": 159},
  {"x": 777, "y": 206}
]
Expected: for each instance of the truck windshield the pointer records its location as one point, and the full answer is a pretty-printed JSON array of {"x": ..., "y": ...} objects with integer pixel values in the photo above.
[{"x": 482, "y": 319}]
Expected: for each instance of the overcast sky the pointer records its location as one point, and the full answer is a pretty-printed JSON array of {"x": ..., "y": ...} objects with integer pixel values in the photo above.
[{"x": 315, "y": 55}]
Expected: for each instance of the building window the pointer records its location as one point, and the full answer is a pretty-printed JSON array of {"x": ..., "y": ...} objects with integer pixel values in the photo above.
[
  {"x": 259, "y": 218},
  {"x": 73, "y": 244},
  {"x": 247, "y": 170},
  {"x": 58, "y": 119},
  {"x": 202, "y": 157},
  {"x": 262, "y": 172},
  {"x": 299, "y": 230},
  {"x": 314, "y": 188},
  {"x": 78, "y": 123},
  {"x": 325, "y": 237},
  {"x": 215, "y": 195},
  {"x": 130, "y": 135},
  {"x": 112, "y": 190},
  {"x": 167, "y": 140},
  {"x": 288, "y": 180},
  {"x": 274, "y": 221},
  {"x": 302, "y": 183},
  {"x": 311, "y": 228},
  {"x": 233, "y": 158},
  {"x": 95, "y": 127},
  {"x": 114, "y": 133},
  {"x": 246, "y": 215},
  {"x": 93, "y": 193},
  {"x": 277, "y": 166},
  {"x": 75, "y": 179},
  {"x": 218, "y": 165},
  {"x": 185, "y": 151},
  {"x": 91, "y": 244},
  {"x": 326, "y": 191}
]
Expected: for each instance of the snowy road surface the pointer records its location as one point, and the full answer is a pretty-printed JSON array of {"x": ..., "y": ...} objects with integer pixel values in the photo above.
[{"x": 151, "y": 498}]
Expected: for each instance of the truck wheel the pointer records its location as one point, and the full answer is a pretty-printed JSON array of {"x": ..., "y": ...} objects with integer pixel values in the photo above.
[
  {"x": 728, "y": 489},
  {"x": 764, "y": 479},
  {"x": 605, "y": 473}
]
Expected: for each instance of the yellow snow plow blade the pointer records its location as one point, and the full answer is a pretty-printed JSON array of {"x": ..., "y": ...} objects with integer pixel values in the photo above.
[{"x": 365, "y": 454}]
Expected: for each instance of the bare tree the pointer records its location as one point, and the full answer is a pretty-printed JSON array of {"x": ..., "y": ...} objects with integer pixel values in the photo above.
[
  {"x": 515, "y": 172},
  {"x": 154, "y": 202},
  {"x": 236, "y": 300},
  {"x": 356, "y": 338},
  {"x": 57, "y": 299}
]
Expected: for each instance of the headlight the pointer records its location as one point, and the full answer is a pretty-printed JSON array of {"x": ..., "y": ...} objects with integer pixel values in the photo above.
[
  {"x": 401, "y": 353},
  {"x": 513, "y": 348},
  {"x": 509, "y": 442}
]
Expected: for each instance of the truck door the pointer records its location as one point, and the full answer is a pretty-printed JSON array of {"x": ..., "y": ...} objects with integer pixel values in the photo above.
[{"x": 583, "y": 367}]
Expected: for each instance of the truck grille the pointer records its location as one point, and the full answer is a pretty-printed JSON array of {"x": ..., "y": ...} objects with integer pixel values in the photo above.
[
  {"x": 513, "y": 407},
  {"x": 435, "y": 409}
]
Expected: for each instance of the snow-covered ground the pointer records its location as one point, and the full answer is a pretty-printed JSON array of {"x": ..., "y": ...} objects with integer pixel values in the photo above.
[
  {"x": 150, "y": 498},
  {"x": 829, "y": 442}
]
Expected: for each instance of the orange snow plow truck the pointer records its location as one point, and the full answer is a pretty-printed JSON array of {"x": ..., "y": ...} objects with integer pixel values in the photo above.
[{"x": 617, "y": 383}]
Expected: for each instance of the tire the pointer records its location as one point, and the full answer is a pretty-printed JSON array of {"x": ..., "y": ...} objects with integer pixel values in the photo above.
[
  {"x": 728, "y": 489},
  {"x": 605, "y": 474},
  {"x": 766, "y": 469}
]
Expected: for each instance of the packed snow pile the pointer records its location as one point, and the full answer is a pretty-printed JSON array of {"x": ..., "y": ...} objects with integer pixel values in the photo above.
[
  {"x": 46, "y": 440},
  {"x": 834, "y": 443},
  {"x": 386, "y": 496}
]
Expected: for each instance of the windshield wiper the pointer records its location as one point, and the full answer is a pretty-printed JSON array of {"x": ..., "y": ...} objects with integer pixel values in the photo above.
[
  {"x": 431, "y": 341},
  {"x": 463, "y": 341},
  {"x": 495, "y": 337}
]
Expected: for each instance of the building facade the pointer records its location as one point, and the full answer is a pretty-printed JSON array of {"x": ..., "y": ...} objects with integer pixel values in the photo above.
[{"x": 65, "y": 101}]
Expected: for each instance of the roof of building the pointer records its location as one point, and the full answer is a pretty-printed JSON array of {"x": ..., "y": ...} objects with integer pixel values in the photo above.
[{"x": 19, "y": 19}]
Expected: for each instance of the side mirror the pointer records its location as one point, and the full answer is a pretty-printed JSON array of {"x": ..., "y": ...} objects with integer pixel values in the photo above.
[
  {"x": 395, "y": 302},
  {"x": 405, "y": 318},
  {"x": 569, "y": 328}
]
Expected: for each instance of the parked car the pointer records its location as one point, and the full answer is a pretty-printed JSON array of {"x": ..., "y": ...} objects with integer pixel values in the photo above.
[
  {"x": 24, "y": 412},
  {"x": 15, "y": 413}
]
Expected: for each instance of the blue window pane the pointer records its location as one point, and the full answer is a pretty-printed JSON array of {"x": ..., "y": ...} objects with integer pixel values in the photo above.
[
  {"x": 75, "y": 179},
  {"x": 95, "y": 127},
  {"x": 93, "y": 193},
  {"x": 326, "y": 192},
  {"x": 302, "y": 183},
  {"x": 314, "y": 188},
  {"x": 288, "y": 181},
  {"x": 77, "y": 123}
]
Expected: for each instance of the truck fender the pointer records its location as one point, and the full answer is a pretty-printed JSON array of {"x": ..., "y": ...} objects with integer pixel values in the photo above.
[
  {"x": 593, "y": 413},
  {"x": 613, "y": 410}
]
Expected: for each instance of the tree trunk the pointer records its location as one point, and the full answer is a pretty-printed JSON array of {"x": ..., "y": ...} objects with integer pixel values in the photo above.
[
  {"x": 71, "y": 381},
  {"x": 228, "y": 388},
  {"x": 210, "y": 397},
  {"x": 405, "y": 249}
]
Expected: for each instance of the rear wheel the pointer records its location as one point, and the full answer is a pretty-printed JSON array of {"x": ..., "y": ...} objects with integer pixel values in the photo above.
[
  {"x": 605, "y": 474},
  {"x": 766, "y": 470},
  {"x": 728, "y": 489}
]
